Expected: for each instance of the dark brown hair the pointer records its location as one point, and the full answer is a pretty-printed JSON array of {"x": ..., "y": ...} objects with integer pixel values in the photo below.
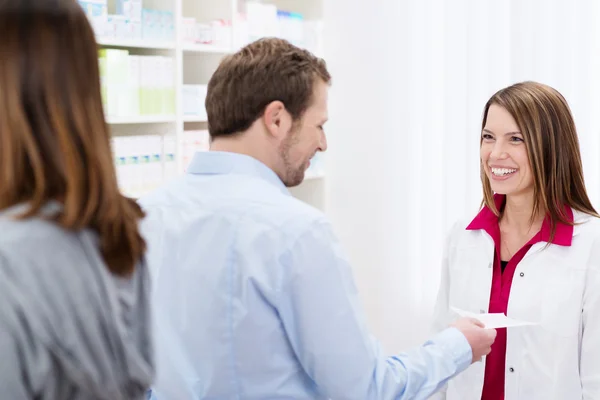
[
  {"x": 262, "y": 72},
  {"x": 54, "y": 141},
  {"x": 548, "y": 129}
]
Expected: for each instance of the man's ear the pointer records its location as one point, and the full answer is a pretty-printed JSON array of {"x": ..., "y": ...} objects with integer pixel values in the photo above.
[{"x": 277, "y": 119}]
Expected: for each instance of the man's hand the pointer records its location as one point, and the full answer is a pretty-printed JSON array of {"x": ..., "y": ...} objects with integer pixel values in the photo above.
[{"x": 479, "y": 338}]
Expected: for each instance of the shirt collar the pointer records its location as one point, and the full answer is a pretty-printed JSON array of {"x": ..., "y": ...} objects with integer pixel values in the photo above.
[
  {"x": 486, "y": 220},
  {"x": 223, "y": 163},
  {"x": 49, "y": 209}
]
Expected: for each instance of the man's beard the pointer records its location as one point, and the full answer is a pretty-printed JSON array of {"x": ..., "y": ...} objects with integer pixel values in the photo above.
[{"x": 293, "y": 175}]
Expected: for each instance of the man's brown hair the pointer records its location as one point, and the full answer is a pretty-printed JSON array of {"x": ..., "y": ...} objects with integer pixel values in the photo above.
[
  {"x": 54, "y": 141},
  {"x": 262, "y": 72}
]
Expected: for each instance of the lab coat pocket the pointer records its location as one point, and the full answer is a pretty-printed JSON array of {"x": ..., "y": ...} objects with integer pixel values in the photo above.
[
  {"x": 561, "y": 308},
  {"x": 461, "y": 284}
]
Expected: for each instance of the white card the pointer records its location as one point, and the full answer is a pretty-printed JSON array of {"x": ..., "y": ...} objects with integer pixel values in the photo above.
[{"x": 493, "y": 321}]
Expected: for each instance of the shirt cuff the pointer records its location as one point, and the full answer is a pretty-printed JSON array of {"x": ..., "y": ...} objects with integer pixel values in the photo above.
[{"x": 456, "y": 346}]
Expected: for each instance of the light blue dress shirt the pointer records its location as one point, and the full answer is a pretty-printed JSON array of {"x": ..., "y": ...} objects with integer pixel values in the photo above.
[{"x": 255, "y": 299}]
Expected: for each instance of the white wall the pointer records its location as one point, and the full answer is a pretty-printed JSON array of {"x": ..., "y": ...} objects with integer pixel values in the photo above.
[{"x": 410, "y": 79}]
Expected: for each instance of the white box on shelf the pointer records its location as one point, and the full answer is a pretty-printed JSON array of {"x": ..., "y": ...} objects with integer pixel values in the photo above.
[
  {"x": 188, "y": 26},
  {"x": 262, "y": 20},
  {"x": 147, "y": 90},
  {"x": 110, "y": 31},
  {"x": 114, "y": 74},
  {"x": 193, "y": 98},
  {"x": 136, "y": 11},
  {"x": 168, "y": 26},
  {"x": 121, "y": 25},
  {"x": 135, "y": 165},
  {"x": 133, "y": 85},
  {"x": 221, "y": 33},
  {"x": 150, "y": 165},
  {"x": 148, "y": 24},
  {"x": 156, "y": 166},
  {"x": 163, "y": 83},
  {"x": 131, "y": 9},
  {"x": 120, "y": 158},
  {"x": 169, "y": 93},
  {"x": 138, "y": 162},
  {"x": 204, "y": 34},
  {"x": 170, "y": 157}
]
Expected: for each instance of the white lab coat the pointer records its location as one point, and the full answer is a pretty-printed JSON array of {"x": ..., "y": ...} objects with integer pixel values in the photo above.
[{"x": 556, "y": 287}]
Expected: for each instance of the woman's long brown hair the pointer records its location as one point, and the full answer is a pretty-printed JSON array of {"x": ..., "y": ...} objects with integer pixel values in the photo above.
[
  {"x": 544, "y": 118},
  {"x": 54, "y": 141}
]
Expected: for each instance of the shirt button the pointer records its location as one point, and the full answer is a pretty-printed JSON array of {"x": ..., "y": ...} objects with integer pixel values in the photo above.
[
  {"x": 511, "y": 369},
  {"x": 490, "y": 265},
  {"x": 522, "y": 274},
  {"x": 481, "y": 311}
]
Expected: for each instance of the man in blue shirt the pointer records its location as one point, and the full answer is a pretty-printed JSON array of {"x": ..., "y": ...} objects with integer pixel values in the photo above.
[{"x": 254, "y": 297}]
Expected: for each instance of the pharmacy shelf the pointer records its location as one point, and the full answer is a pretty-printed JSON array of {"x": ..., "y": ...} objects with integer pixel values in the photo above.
[
  {"x": 194, "y": 118},
  {"x": 204, "y": 48},
  {"x": 135, "y": 44},
  {"x": 192, "y": 64},
  {"x": 141, "y": 119}
]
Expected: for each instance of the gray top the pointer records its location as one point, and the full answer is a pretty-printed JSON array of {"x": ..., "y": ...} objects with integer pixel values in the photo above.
[{"x": 69, "y": 329}]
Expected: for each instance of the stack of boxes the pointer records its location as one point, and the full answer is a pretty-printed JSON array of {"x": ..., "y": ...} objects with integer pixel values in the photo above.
[
  {"x": 217, "y": 33},
  {"x": 97, "y": 13},
  {"x": 263, "y": 20},
  {"x": 131, "y": 22},
  {"x": 136, "y": 85},
  {"x": 139, "y": 162}
]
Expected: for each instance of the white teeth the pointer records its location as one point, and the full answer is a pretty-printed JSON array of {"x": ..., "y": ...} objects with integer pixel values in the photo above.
[{"x": 502, "y": 171}]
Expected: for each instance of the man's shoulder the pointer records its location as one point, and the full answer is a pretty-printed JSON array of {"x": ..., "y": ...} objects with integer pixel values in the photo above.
[
  {"x": 250, "y": 207},
  {"x": 283, "y": 215},
  {"x": 248, "y": 198}
]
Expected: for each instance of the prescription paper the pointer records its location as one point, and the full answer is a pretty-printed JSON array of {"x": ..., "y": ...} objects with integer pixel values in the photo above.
[{"x": 494, "y": 320}]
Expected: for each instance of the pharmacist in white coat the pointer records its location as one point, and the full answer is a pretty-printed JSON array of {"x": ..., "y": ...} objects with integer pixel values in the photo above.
[{"x": 533, "y": 253}]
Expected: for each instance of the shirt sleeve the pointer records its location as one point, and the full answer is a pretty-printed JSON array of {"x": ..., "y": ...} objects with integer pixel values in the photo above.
[{"x": 319, "y": 306}]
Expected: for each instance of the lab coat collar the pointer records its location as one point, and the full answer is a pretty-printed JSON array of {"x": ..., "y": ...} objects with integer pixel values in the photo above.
[{"x": 488, "y": 221}]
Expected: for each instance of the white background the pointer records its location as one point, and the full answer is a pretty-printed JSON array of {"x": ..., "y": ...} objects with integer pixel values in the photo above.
[{"x": 410, "y": 80}]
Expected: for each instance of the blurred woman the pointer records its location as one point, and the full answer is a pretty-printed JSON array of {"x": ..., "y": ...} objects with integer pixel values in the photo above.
[
  {"x": 532, "y": 253},
  {"x": 74, "y": 313}
]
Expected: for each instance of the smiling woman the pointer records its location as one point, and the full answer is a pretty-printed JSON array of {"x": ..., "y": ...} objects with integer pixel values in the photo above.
[
  {"x": 537, "y": 225},
  {"x": 504, "y": 159},
  {"x": 539, "y": 139}
]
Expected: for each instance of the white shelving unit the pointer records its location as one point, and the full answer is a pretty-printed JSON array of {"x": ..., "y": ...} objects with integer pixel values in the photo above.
[
  {"x": 141, "y": 119},
  {"x": 204, "y": 48},
  {"x": 135, "y": 44},
  {"x": 194, "y": 65},
  {"x": 193, "y": 118}
]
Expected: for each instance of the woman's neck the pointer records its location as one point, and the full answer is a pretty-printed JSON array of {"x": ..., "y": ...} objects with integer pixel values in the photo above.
[{"x": 517, "y": 214}]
